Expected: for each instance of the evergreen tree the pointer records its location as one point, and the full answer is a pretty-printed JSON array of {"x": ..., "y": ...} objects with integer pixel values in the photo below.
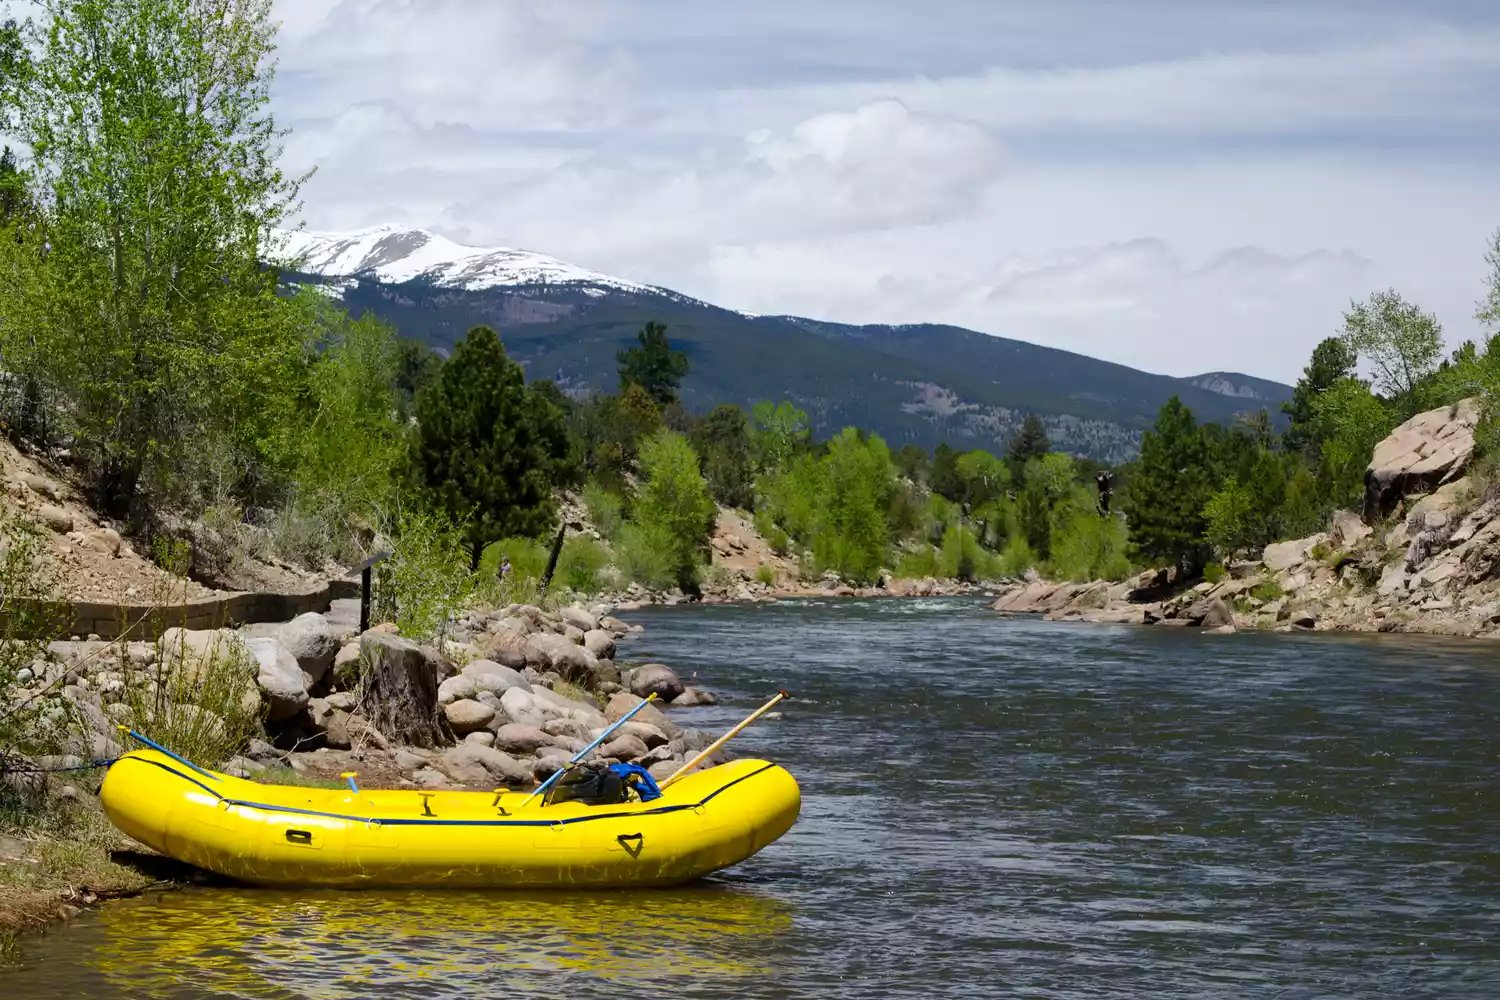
[
  {"x": 722, "y": 440},
  {"x": 1331, "y": 361},
  {"x": 1169, "y": 488},
  {"x": 488, "y": 448},
  {"x": 1028, "y": 442},
  {"x": 912, "y": 463},
  {"x": 653, "y": 365},
  {"x": 944, "y": 479}
]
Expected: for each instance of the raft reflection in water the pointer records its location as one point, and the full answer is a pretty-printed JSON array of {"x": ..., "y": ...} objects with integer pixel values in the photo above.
[{"x": 330, "y": 945}]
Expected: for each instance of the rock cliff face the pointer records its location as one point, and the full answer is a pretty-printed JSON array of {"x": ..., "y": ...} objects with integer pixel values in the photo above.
[{"x": 1424, "y": 558}]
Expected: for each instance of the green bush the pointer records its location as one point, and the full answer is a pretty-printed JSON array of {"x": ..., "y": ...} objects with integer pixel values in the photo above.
[
  {"x": 604, "y": 509},
  {"x": 1267, "y": 592},
  {"x": 645, "y": 556},
  {"x": 1016, "y": 558},
  {"x": 766, "y": 574},
  {"x": 916, "y": 564},
  {"x": 581, "y": 564},
  {"x": 1090, "y": 547},
  {"x": 1214, "y": 573},
  {"x": 426, "y": 580}
]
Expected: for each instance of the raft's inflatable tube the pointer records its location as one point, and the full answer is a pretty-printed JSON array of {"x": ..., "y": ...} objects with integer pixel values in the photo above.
[{"x": 277, "y": 835}]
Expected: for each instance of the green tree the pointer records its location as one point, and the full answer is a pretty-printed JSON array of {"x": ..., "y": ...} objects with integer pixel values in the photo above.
[
  {"x": 1028, "y": 442},
  {"x": 416, "y": 365},
  {"x": 1350, "y": 421},
  {"x": 852, "y": 537},
  {"x": 488, "y": 448},
  {"x": 1401, "y": 342},
  {"x": 673, "y": 512},
  {"x": 944, "y": 479},
  {"x": 1049, "y": 481},
  {"x": 778, "y": 433},
  {"x": 1488, "y": 312},
  {"x": 722, "y": 440},
  {"x": 653, "y": 365},
  {"x": 1245, "y": 514},
  {"x": 912, "y": 463},
  {"x": 153, "y": 154},
  {"x": 1169, "y": 488},
  {"x": 1332, "y": 360}
]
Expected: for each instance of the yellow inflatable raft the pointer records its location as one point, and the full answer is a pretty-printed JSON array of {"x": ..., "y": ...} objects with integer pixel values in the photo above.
[{"x": 279, "y": 835}]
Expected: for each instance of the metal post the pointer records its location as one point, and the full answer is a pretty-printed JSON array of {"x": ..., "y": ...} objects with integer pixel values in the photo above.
[{"x": 364, "y": 599}]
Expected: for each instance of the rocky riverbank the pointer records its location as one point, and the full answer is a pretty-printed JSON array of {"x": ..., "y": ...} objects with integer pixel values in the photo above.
[{"x": 1422, "y": 557}]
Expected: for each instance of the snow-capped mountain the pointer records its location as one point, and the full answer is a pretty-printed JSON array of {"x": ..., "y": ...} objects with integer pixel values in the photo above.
[{"x": 394, "y": 254}]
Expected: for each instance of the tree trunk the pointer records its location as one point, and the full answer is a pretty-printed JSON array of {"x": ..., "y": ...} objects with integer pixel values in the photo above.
[
  {"x": 476, "y": 553},
  {"x": 398, "y": 692},
  {"x": 552, "y": 558}
]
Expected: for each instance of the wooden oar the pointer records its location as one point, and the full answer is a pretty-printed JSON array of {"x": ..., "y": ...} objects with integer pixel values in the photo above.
[
  {"x": 723, "y": 739},
  {"x": 588, "y": 749}
]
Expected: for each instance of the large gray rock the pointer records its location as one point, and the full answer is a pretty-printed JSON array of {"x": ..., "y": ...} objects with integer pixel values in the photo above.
[
  {"x": 1282, "y": 556},
  {"x": 625, "y": 747},
  {"x": 623, "y": 702},
  {"x": 474, "y": 764},
  {"x": 522, "y": 706},
  {"x": 1430, "y": 449},
  {"x": 282, "y": 685},
  {"x": 1348, "y": 529},
  {"x": 545, "y": 651},
  {"x": 467, "y": 716},
  {"x": 456, "y": 689},
  {"x": 516, "y": 737},
  {"x": 645, "y": 732},
  {"x": 579, "y": 619},
  {"x": 657, "y": 679},
  {"x": 488, "y": 675},
  {"x": 197, "y": 652},
  {"x": 313, "y": 642},
  {"x": 1217, "y": 614},
  {"x": 600, "y": 643}
]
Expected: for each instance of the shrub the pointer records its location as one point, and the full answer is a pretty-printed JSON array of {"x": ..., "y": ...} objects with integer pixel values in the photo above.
[
  {"x": 645, "y": 556},
  {"x": 1267, "y": 592},
  {"x": 766, "y": 574},
  {"x": 916, "y": 564},
  {"x": 581, "y": 563},
  {"x": 426, "y": 580},
  {"x": 200, "y": 704},
  {"x": 604, "y": 509},
  {"x": 1214, "y": 572},
  {"x": 672, "y": 510}
]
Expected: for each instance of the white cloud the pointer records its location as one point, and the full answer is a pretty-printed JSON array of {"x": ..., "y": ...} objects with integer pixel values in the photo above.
[{"x": 1180, "y": 199}]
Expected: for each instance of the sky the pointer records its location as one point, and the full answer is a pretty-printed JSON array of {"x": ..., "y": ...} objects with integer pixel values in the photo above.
[{"x": 1178, "y": 185}]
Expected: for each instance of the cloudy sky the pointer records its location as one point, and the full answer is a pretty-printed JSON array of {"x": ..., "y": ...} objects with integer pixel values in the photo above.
[{"x": 1179, "y": 185}]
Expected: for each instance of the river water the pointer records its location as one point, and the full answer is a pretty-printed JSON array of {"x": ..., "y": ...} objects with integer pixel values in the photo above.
[{"x": 992, "y": 808}]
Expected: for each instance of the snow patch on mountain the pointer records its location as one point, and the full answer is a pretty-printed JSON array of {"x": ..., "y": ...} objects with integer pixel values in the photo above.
[{"x": 394, "y": 255}]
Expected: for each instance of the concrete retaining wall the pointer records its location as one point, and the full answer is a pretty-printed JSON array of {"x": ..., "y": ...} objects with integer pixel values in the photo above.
[{"x": 111, "y": 621}]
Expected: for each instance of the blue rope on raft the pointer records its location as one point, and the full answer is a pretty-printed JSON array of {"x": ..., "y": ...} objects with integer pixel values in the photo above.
[{"x": 26, "y": 769}]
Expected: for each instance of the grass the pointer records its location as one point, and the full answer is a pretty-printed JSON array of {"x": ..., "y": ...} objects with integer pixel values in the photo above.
[
  {"x": 57, "y": 855},
  {"x": 766, "y": 575},
  {"x": 1268, "y": 592},
  {"x": 572, "y": 691},
  {"x": 278, "y": 775}
]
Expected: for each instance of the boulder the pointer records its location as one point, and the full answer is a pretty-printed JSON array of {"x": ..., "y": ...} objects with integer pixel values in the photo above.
[
  {"x": 199, "y": 651},
  {"x": 488, "y": 675},
  {"x": 645, "y": 732},
  {"x": 600, "y": 643},
  {"x": 482, "y": 737},
  {"x": 1217, "y": 614},
  {"x": 106, "y": 540},
  {"x": 623, "y": 702},
  {"x": 1282, "y": 556},
  {"x": 55, "y": 518},
  {"x": 568, "y": 728},
  {"x": 522, "y": 706},
  {"x": 312, "y": 641},
  {"x": 657, "y": 679},
  {"x": 572, "y": 662},
  {"x": 282, "y": 684},
  {"x": 516, "y": 737},
  {"x": 467, "y": 715},
  {"x": 692, "y": 697},
  {"x": 663, "y": 769},
  {"x": 1430, "y": 449},
  {"x": 1348, "y": 529},
  {"x": 492, "y": 766},
  {"x": 625, "y": 747},
  {"x": 39, "y": 484},
  {"x": 579, "y": 619},
  {"x": 456, "y": 689}
]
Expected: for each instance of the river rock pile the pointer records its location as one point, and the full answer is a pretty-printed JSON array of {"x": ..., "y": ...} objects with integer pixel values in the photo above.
[{"x": 510, "y": 696}]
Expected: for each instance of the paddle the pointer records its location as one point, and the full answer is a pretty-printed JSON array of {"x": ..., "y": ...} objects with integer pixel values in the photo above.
[
  {"x": 586, "y": 750},
  {"x": 722, "y": 740}
]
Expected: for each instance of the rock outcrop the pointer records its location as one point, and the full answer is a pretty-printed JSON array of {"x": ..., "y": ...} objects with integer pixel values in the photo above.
[{"x": 1422, "y": 454}]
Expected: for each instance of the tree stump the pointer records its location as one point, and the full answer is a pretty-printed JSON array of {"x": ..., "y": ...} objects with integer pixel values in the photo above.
[{"x": 398, "y": 691}]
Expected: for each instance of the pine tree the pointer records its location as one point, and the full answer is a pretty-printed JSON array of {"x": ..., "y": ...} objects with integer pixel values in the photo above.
[
  {"x": 1029, "y": 442},
  {"x": 1169, "y": 490},
  {"x": 1332, "y": 360},
  {"x": 722, "y": 440},
  {"x": 654, "y": 365},
  {"x": 489, "y": 448}
]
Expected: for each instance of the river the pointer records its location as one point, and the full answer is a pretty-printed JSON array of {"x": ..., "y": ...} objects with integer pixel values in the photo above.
[{"x": 992, "y": 808}]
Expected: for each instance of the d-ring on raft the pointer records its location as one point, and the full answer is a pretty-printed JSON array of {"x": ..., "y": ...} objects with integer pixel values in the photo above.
[{"x": 279, "y": 835}]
